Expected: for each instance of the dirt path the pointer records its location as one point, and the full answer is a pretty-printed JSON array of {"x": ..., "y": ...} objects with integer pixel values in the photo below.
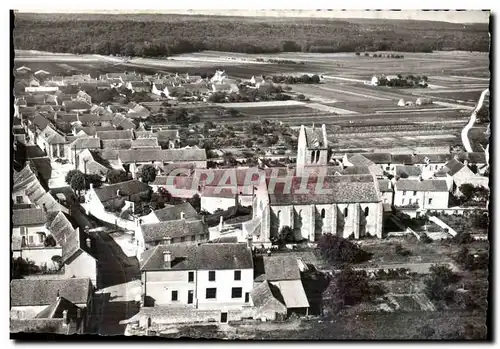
[{"x": 465, "y": 131}]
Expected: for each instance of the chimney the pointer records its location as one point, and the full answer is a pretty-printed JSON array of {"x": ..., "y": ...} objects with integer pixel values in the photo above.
[
  {"x": 182, "y": 215},
  {"x": 91, "y": 186},
  {"x": 65, "y": 317},
  {"x": 88, "y": 242},
  {"x": 221, "y": 223},
  {"x": 167, "y": 240},
  {"x": 249, "y": 242},
  {"x": 167, "y": 259}
]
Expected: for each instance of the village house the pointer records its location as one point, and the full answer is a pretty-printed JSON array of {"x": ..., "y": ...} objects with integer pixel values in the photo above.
[
  {"x": 456, "y": 174},
  {"x": 178, "y": 186},
  {"x": 30, "y": 297},
  {"x": 283, "y": 273},
  {"x": 218, "y": 198},
  {"x": 139, "y": 86},
  {"x": 179, "y": 231},
  {"x": 78, "y": 106},
  {"x": 79, "y": 145},
  {"x": 174, "y": 212},
  {"x": 360, "y": 160},
  {"x": 214, "y": 276},
  {"x": 27, "y": 189},
  {"x": 52, "y": 142},
  {"x": 86, "y": 163},
  {"x": 60, "y": 317},
  {"x": 29, "y": 231},
  {"x": 386, "y": 189},
  {"x": 115, "y": 203},
  {"x": 415, "y": 196},
  {"x": 83, "y": 96},
  {"x": 140, "y": 143},
  {"x": 170, "y": 138},
  {"x": 407, "y": 172}
]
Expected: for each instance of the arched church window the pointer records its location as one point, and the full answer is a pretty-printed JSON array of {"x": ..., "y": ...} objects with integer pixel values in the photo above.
[
  {"x": 323, "y": 213},
  {"x": 312, "y": 156},
  {"x": 367, "y": 211},
  {"x": 346, "y": 211},
  {"x": 317, "y": 155}
]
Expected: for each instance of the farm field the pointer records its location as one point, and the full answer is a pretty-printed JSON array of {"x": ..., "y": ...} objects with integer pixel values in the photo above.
[{"x": 356, "y": 115}]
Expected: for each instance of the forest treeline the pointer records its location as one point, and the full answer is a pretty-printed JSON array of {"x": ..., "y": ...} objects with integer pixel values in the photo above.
[{"x": 133, "y": 37}]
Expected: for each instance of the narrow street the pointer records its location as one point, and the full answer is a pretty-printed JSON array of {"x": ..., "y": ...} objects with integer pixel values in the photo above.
[{"x": 118, "y": 280}]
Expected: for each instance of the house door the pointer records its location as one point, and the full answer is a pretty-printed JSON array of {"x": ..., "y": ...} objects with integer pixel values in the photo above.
[
  {"x": 190, "y": 297},
  {"x": 223, "y": 317},
  {"x": 247, "y": 297}
]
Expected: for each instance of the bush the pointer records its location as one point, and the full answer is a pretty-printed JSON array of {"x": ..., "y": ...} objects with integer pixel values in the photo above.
[
  {"x": 402, "y": 251},
  {"x": 339, "y": 250},
  {"x": 436, "y": 284},
  {"x": 358, "y": 53},
  {"x": 425, "y": 238}
]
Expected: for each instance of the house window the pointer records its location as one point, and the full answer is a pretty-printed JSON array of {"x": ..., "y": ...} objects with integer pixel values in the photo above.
[
  {"x": 323, "y": 213},
  {"x": 191, "y": 276},
  {"x": 183, "y": 239},
  {"x": 402, "y": 201},
  {"x": 247, "y": 297},
  {"x": 414, "y": 193},
  {"x": 409, "y": 201},
  {"x": 367, "y": 211},
  {"x": 19, "y": 199},
  {"x": 211, "y": 293},
  {"x": 346, "y": 211},
  {"x": 236, "y": 292},
  {"x": 237, "y": 275},
  {"x": 41, "y": 237},
  {"x": 30, "y": 239},
  {"x": 54, "y": 151},
  {"x": 61, "y": 150},
  {"x": 416, "y": 201},
  {"x": 193, "y": 238},
  {"x": 430, "y": 201},
  {"x": 404, "y": 192},
  {"x": 211, "y": 276},
  {"x": 174, "y": 296}
]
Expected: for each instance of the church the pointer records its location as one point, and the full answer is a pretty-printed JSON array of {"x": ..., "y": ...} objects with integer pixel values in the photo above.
[{"x": 314, "y": 198}]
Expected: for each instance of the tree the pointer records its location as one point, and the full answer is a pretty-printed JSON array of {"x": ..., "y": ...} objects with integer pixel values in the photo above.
[
  {"x": 116, "y": 176},
  {"x": 77, "y": 182},
  {"x": 285, "y": 236},
  {"x": 339, "y": 250},
  {"x": 195, "y": 201},
  {"x": 70, "y": 175},
  {"x": 147, "y": 173},
  {"x": 50, "y": 241},
  {"x": 93, "y": 179},
  {"x": 57, "y": 260},
  {"x": 436, "y": 284},
  {"x": 233, "y": 112}
]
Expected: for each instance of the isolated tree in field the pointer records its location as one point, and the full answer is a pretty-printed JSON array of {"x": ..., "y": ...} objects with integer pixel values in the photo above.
[
  {"x": 147, "y": 173},
  {"x": 116, "y": 176}
]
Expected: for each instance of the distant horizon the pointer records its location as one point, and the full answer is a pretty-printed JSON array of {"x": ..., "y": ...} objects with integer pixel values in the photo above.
[{"x": 451, "y": 16}]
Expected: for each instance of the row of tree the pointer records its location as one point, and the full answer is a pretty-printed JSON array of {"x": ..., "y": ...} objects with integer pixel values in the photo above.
[
  {"x": 289, "y": 79},
  {"x": 131, "y": 37}
]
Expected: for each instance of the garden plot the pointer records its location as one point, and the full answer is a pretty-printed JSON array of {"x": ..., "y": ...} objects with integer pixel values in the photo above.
[
  {"x": 330, "y": 109},
  {"x": 260, "y": 104}
]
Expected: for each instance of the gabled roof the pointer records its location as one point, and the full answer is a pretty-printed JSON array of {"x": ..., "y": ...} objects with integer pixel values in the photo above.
[
  {"x": 411, "y": 171},
  {"x": 29, "y": 216},
  {"x": 360, "y": 160},
  {"x": 154, "y": 232},
  {"x": 116, "y": 143},
  {"x": 315, "y": 137},
  {"x": 126, "y": 189},
  {"x": 52, "y": 136},
  {"x": 76, "y": 105},
  {"x": 424, "y": 185},
  {"x": 452, "y": 167},
  {"x": 40, "y": 122},
  {"x": 43, "y": 167},
  {"x": 86, "y": 143},
  {"x": 61, "y": 228},
  {"x": 166, "y": 135},
  {"x": 117, "y": 134},
  {"x": 384, "y": 185},
  {"x": 167, "y": 155},
  {"x": 210, "y": 256},
  {"x": 174, "y": 212},
  {"x": 35, "y": 292},
  {"x": 276, "y": 268},
  {"x": 473, "y": 158},
  {"x": 55, "y": 310},
  {"x": 378, "y": 158},
  {"x": 342, "y": 189},
  {"x": 145, "y": 143}
]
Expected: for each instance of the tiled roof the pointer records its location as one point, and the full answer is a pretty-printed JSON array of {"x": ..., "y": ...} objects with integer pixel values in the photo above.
[
  {"x": 218, "y": 192},
  {"x": 314, "y": 138},
  {"x": 116, "y": 134},
  {"x": 35, "y": 292},
  {"x": 116, "y": 143},
  {"x": 275, "y": 268},
  {"x": 126, "y": 189},
  {"x": 40, "y": 122},
  {"x": 66, "y": 117},
  {"x": 378, "y": 158},
  {"x": 360, "y": 160},
  {"x": 210, "y": 256},
  {"x": 145, "y": 143},
  {"x": 424, "y": 185},
  {"x": 88, "y": 118},
  {"x": 30, "y": 216},
  {"x": 474, "y": 158},
  {"x": 123, "y": 121},
  {"x": 76, "y": 105},
  {"x": 174, "y": 229},
  {"x": 52, "y": 136},
  {"x": 412, "y": 171},
  {"x": 167, "y": 155},
  {"x": 86, "y": 143},
  {"x": 384, "y": 186},
  {"x": 452, "y": 167},
  {"x": 143, "y": 134},
  {"x": 166, "y": 135},
  {"x": 61, "y": 229},
  {"x": 174, "y": 212},
  {"x": 43, "y": 167},
  {"x": 263, "y": 297},
  {"x": 55, "y": 310}
]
